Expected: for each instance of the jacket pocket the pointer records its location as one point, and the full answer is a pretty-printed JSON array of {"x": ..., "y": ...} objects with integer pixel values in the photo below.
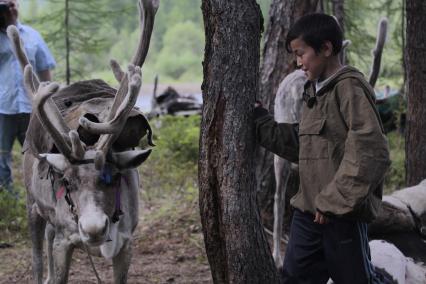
[{"x": 313, "y": 144}]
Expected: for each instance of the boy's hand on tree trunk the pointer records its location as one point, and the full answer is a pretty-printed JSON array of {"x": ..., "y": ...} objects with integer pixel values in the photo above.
[{"x": 259, "y": 111}]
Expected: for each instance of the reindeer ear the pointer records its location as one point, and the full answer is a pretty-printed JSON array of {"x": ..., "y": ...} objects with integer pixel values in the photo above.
[
  {"x": 57, "y": 161},
  {"x": 130, "y": 159}
]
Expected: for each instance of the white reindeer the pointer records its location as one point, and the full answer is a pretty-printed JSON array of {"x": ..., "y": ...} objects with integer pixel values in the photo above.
[{"x": 287, "y": 109}]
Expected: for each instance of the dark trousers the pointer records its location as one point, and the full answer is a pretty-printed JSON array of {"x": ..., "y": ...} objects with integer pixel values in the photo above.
[
  {"x": 12, "y": 126},
  {"x": 338, "y": 250}
]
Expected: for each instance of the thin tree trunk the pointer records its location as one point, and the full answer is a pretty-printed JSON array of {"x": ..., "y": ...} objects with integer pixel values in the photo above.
[
  {"x": 67, "y": 44},
  {"x": 403, "y": 43},
  {"x": 415, "y": 148},
  {"x": 277, "y": 63},
  {"x": 235, "y": 242}
]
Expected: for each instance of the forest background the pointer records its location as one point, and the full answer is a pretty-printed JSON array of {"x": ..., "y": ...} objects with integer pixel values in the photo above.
[{"x": 104, "y": 29}]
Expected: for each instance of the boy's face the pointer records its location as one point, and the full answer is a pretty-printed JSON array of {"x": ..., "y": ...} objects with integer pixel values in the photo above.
[{"x": 314, "y": 64}]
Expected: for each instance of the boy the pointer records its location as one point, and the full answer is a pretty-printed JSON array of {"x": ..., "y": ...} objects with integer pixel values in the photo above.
[{"x": 342, "y": 154}]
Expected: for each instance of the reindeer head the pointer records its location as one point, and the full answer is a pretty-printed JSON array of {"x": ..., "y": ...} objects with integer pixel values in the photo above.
[{"x": 90, "y": 174}]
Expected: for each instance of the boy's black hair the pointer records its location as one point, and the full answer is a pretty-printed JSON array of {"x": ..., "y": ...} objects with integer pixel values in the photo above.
[{"x": 315, "y": 29}]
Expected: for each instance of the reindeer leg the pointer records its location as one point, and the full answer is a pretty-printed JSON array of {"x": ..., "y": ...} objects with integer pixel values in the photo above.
[
  {"x": 50, "y": 236},
  {"x": 62, "y": 254},
  {"x": 36, "y": 225},
  {"x": 278, "y": 211},
  {"x": 282, "y": 174},
  {"x": 121, "y": 263}
]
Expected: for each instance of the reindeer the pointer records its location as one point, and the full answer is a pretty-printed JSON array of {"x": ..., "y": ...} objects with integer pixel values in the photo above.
[
  {"x": 287, "y": 109},
  {"x": 402, "y": 221},
  {"x": 80, "y": 163}
]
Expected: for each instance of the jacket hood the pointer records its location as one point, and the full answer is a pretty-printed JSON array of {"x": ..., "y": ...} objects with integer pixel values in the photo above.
[{"x": 344, "y": 73}]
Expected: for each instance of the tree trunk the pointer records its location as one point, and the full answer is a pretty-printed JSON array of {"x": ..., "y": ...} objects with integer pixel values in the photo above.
[
  {"x": 277, "y": 63},
  {"x": 235, "y": 242},
  {"x": 416, "y": 91},
  {"x": 67, "y": 43}
]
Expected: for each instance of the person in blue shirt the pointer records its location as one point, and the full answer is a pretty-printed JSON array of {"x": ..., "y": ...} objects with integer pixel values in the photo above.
[{"x": 15, "y": 103}]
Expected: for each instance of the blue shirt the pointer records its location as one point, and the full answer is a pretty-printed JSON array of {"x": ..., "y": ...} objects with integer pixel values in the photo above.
[{"x": 13, "y": 97}]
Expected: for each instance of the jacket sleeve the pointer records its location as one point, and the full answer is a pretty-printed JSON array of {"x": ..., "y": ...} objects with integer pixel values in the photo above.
[
  {"x": 366, "y": 155},
  {"x": 279, "y": 138}
]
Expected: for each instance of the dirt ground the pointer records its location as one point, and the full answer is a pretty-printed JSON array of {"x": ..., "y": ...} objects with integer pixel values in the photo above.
[{"x": 165, "y": 250}]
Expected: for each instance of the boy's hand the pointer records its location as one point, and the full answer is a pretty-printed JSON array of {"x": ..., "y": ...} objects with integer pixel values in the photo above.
[
  {"x": 259, "y": 111},
  {"x": 320, "y": 218}
]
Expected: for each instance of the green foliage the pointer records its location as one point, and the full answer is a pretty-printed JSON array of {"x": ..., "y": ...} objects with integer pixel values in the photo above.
[
  {"x": 104, "y": 29},
  {"x": 264, "y": 7},
  {"x": 361, "y": 21},
  {"x": 181, "y": 52},
  {"x": 178, "y": 136},
  {"x": 172, "y": 166},
  {"x": 88, "y": 32},
  {"x": 13, "y": 217},
  {"x": 13, "y": 221}
]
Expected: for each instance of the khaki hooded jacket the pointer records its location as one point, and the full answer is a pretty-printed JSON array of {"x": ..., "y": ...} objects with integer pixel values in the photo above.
[{"x": 340, "y": 147}]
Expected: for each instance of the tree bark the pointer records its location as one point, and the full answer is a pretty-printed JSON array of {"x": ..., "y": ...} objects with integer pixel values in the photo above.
[
  {"x": 416, "y": 91},
  {"x": 235, "y": 242},
  {"x": 277, "y": 63}
]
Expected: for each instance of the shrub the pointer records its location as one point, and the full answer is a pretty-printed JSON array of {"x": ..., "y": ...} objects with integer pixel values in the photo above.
[
  {"x": 13, "y": 219},
  {"x": 172, "y": 167}
]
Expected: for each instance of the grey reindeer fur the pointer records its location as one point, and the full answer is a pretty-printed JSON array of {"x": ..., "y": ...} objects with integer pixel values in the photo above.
[
  {"x": 63, "y": 143},
  {"x": 287, "y": 109}
]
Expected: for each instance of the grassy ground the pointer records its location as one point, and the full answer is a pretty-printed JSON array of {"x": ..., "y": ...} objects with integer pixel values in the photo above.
[
  {"x": 13, "y": 222},
  {"x": 168, "y": 248}
]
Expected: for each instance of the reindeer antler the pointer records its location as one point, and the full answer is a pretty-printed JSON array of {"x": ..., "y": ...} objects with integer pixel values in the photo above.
[
  {"x": 147, "y": 11},
  {"x": 67, "y": 141},
  {"x": 377, "y": 51},
  {"x": 345, "y": 45},
  {"x": 128, "y": 89},
  {"x": 116, "y": 70},
  {"x": 32, "y": 82}
]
